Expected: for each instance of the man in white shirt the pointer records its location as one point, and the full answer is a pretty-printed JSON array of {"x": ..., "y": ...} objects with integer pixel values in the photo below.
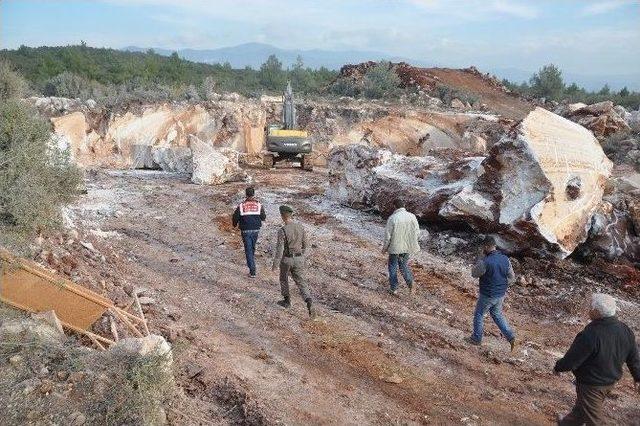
[{"x": 401, "y": 241}]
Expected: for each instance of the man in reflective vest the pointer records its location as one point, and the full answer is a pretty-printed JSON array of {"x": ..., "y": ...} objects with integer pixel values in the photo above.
[{"x": 249, "y": 215}]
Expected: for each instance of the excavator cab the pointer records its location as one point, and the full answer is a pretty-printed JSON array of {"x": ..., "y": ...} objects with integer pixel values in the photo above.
[{"x": 284, "y": 142}]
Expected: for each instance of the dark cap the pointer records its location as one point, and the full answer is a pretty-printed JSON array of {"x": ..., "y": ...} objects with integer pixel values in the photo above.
[{"x": 285, "y": 209}]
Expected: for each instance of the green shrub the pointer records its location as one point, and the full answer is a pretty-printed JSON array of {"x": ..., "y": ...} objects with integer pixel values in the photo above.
[
  {"x": 12, "y": 85},
  {"x": 547, "y": 82},
  {"x": 70, "y": 85},
  {"x": 448, "y": 93},
  {"x": 381, "y": 81},
  {"x": 345, "y": 87},
  {"x": 36, "y": 177}
]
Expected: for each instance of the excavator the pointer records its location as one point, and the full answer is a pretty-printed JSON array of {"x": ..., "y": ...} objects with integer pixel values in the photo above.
[{"x": 284, "y": 142}]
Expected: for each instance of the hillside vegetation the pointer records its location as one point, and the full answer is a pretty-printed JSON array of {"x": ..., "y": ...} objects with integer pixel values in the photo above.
[
  {"x": 549, "y": 83},
  {"x": 87, "y": 72},
  {"x": 37, "y": 177}
]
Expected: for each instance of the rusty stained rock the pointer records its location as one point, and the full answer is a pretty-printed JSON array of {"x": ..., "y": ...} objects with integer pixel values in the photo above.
[{"x": 601, "y": 118}]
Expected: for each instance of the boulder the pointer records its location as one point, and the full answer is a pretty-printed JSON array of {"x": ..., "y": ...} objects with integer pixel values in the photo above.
[
  {"x": 28, "y": 329},
  {"x": 174, "y": 159},
  {"x": 634, "y": 121},
  {"x": 552, "y": 174},
  {"x": 351, "y": 175},
  {"x": 538, "y": 188},
  {"x": 152, "y": 346},
  {"x": 622, "y": 112},
  {"x": 213, "y": 166},
  {"x": 612, "y": 233},
  {"x": 601, "y": 118},
  {"x": 457, "y": 103},
  {"x": 474, "y": 143},
  {"x": 142, "y": 157},
  {"x": 50, "y": 318},
  {"x": 468, "y": 205},
  {"x": 567, "y": 109},
  {"x": 361, "y": 176}
]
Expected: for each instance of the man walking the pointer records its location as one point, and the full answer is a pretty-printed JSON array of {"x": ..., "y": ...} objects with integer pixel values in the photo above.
[
  {"x": 290, "y": 256},
  {"x": 595, "y": 358},
  {"x": 401, "y": 241},
  {"x": 495, "y": 272},
  {"x": 249, "y": 215}
]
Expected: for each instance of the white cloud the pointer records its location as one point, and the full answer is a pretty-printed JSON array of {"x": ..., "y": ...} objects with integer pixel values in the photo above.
[
  {"x": 518, "y": 10},
  {"x": 475, "y": 10},
  {"x": 602, "y": 7}
]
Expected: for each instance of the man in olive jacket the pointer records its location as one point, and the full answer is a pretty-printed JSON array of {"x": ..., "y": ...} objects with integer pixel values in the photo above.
[
  {"x": 401, "y": 241},
  {"x": 595, "y": 358}
]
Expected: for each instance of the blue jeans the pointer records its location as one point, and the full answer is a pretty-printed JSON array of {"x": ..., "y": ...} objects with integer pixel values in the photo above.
[
  {"x": 402, "y": 261},
  {"x": 250, "y": 239},
  {"x": 494, "y": 306}
]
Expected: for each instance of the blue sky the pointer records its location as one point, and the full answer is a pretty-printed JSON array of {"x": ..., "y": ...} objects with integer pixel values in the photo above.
[{"x": 587, "y": 37}]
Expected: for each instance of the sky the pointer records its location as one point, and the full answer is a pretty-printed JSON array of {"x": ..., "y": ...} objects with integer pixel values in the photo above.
[{"x": 581, "y": 36}]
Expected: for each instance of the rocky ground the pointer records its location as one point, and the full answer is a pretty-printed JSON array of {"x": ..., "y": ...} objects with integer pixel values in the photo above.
[{"x": 370, "y": 358}]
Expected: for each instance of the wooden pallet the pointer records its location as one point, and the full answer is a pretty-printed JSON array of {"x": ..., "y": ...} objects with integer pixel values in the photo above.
[{"x": 26, "y": 285}]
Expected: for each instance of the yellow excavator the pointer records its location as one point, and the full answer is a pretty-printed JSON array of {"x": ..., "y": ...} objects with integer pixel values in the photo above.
[{"x": 284, "y": 142}]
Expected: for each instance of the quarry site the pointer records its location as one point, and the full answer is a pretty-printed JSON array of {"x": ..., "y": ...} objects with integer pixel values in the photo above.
[{"x": 153, "y": 226}]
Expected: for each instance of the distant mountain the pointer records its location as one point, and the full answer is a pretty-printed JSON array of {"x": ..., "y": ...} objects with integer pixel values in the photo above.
[{"x": 254, "y": 54}]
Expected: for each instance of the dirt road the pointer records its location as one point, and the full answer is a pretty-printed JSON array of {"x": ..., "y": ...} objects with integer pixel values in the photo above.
[{"x": 370, "y": 358}]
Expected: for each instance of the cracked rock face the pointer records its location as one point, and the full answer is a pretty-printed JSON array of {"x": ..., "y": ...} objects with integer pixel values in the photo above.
[
  {"x": 213, "y": 166},
  {"x": 553, "y": 174},
  {"x": 538, "y": 188}
]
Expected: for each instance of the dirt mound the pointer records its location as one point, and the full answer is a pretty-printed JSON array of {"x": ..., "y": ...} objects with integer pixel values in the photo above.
[{"x": 488, "y": 89}]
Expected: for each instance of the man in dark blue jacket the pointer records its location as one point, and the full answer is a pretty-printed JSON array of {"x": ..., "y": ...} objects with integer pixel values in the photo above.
[
  {"x": 495, "y": 272},
  {"x": 596, "y": 357},
  {"x": 249, "y": 215}
]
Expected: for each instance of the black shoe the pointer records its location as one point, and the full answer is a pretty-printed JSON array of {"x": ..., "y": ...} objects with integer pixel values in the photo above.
[
  {"x": 471, "y": 340},
  {"x": 310, "y": 308},
  {"x": 285, "y": 303}
]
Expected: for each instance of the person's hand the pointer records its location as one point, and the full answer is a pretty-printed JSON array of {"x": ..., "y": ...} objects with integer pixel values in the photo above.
[{"x": 636, "y": 385}]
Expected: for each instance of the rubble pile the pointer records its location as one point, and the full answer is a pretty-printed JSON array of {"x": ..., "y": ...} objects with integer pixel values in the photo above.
[
  {"x": 538, "y": 188},
  {"x": 413, "y": 77},
  {"x": 602, "y": 118}
]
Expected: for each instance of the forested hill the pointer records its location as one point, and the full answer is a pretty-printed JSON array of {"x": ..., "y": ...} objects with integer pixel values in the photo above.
[{"x": 110, "y": 67}]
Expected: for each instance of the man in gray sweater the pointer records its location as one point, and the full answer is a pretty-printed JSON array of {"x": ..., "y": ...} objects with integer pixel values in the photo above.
[{"x": 401, "y": 241}]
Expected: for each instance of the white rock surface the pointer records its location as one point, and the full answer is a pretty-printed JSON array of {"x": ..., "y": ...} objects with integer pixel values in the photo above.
[
  {"x": 541, "y": 162},
  {"x": 50, "y": 318},
  {"x": 468, "y": 203},
  {"x": 173, "y": 159},
  {"x": 142, "y": 157},
  {"x": 213, "y": 166},
  {"x": 152, "y": 345}
]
